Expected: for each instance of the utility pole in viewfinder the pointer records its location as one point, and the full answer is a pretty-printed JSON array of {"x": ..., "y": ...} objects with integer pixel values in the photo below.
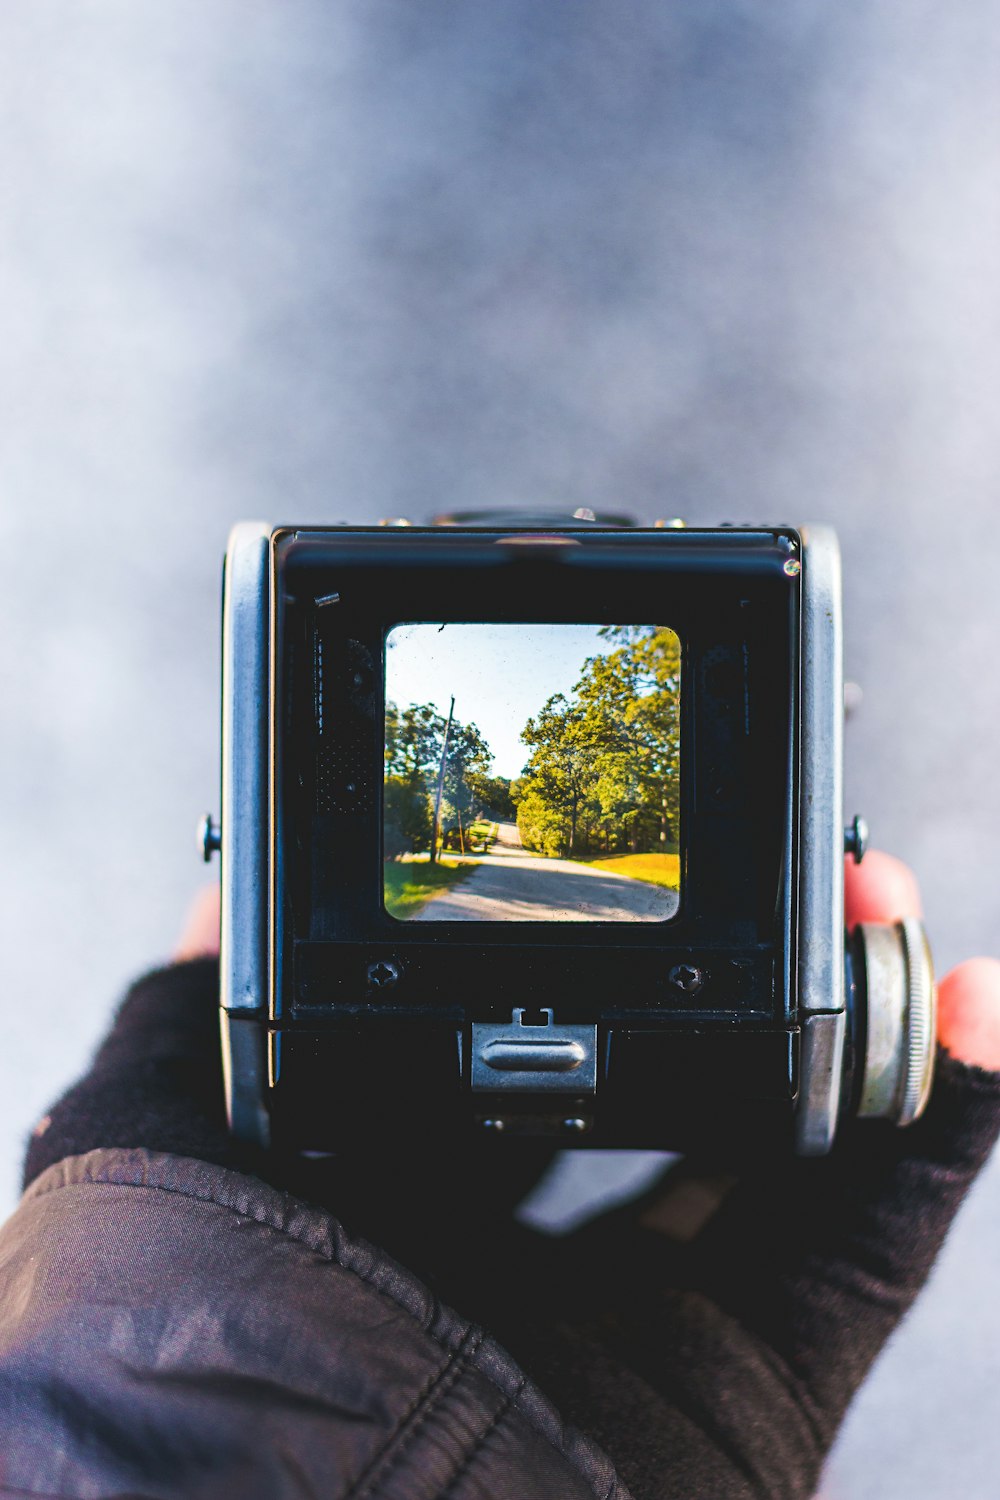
[{"x": 440, "y": 789}]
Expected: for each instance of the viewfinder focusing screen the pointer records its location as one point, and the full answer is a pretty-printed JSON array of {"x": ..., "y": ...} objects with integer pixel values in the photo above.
[{"x": 532, "y": 773}]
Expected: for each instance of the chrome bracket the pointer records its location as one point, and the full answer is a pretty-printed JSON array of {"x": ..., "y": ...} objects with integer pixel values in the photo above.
[{"x": 515, "y": 1057}]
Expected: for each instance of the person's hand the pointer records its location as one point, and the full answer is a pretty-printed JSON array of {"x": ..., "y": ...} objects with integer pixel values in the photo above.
[
  {"x": 729, "y": 1355},
  {"x": 883, "y": 889}
]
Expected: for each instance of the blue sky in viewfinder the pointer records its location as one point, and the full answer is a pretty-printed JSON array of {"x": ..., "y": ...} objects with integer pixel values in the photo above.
[{"x": 500, "y": 674}]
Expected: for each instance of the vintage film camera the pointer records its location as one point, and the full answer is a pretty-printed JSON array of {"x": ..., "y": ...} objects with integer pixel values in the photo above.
[{"x": 533, "y": 827}]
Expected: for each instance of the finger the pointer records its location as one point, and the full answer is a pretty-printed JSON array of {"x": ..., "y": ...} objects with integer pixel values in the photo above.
[
  {"x": 969, "y": 1013},
  {"x": 200, "y": 935},
  {"x": 881, "y": 889}
]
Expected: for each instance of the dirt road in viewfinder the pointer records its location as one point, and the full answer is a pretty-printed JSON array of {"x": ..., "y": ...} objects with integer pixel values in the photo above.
[{"x": 509, "y": 884}]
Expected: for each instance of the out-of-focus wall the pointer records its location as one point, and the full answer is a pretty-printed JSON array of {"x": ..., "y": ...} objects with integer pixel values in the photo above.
[{"x": 721, "y": 260}]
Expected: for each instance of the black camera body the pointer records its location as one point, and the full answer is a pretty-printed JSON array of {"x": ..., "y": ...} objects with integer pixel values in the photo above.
[{"x": 635, "y": 939}]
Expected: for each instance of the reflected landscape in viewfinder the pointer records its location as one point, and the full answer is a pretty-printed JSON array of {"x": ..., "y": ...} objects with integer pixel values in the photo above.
[{"x": 532, "y": 773}]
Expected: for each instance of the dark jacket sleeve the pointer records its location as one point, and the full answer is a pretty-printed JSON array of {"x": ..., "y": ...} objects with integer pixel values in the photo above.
[{"x": 171, "y": 1328}]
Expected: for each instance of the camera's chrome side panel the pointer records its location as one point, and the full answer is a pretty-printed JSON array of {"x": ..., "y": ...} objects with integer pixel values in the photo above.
[
  {"x": 821, "y": 997},
  {"x": 244, "y": 955}
]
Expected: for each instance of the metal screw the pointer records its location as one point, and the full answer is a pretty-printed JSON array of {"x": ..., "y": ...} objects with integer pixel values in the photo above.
[
  {"x": 687, "y": 978},
  {"x": 856, "y": 839},
  {"x": 384, "y": 973},
  {"x": 209, "y": 837}
]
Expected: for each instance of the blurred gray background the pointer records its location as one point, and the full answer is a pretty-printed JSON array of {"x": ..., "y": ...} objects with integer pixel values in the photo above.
[{"x": 277, "y": 258}]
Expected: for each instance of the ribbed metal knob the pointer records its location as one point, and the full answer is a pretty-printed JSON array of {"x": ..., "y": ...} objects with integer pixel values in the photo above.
[{"x": 901, "y": 1021}]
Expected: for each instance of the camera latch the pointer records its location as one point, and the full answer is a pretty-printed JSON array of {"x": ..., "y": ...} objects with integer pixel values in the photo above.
[{"x": 524, "y": 1058}]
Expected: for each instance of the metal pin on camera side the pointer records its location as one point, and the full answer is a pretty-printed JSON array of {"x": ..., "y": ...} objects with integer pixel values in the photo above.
[
  {"x": 856, "y": 838},
  {"x": 208, "y": 837}
]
